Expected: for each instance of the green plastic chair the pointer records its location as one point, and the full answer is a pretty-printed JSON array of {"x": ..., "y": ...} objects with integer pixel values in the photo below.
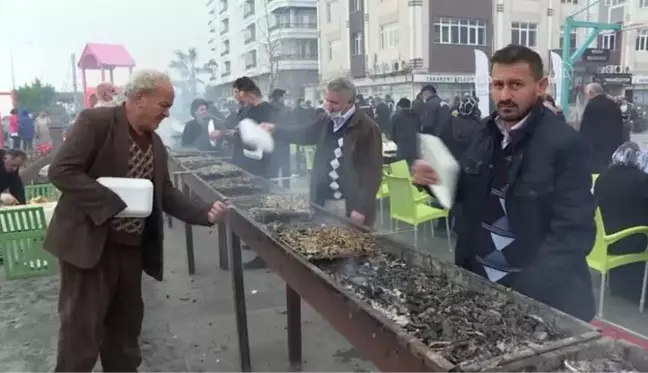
[
  {"x": 601, "y": 261},
  {"x": 41, "y": 190},
  {"x": 22, "y": 232},
  {"x": 401, "y": 169},
  {"x": 403, "y": 207}
]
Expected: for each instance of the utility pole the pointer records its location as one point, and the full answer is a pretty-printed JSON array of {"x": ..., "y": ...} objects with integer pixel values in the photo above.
[
  {"x": 75, "y": 87},
  {"x": 13, "y": 70},
  {"x": 570, "y": 59}
]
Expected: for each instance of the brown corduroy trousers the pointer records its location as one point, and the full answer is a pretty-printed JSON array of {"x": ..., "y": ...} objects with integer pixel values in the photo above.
[{"x": 101, "y": 311}]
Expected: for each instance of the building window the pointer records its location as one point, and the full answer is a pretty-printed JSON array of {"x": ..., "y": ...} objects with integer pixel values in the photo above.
[
  {"x": 224, "y": 26},
  {"x": 569, "y": 1},
  {"x": 608, "y": 41},
  {"x": 524, "y": 33},
  {"x": 573, "y": 39},
  {"x": 333, "y": 49},
  {"x": 331, "y": 9},
  {"x": 251, "y": 59},
  {"x": 357, "y": 46},
  {"x": 223, "y": 6},
  {"x": 460, "y": 31},
  {"x": 642, "y": 41},
  {"x": 249, "y": 34},
  {"x": 226, "y": 47},
  {"x": 643, "y": 3},
  {"x": 227, "y": 68},
  {"x": 248, "y": 8},
  {"x": 356, "y": 5},
  {"x": 389, "y": 35},
  {"x": 613, "y": 2}
]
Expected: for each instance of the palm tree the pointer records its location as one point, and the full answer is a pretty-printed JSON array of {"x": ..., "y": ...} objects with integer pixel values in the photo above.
[{"x": 186, "y": 66}]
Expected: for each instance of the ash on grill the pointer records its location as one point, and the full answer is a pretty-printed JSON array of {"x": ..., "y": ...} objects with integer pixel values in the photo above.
[
  {"x": 323, "y": 242},
  {"x": 460, "y": 324},
  {"x": 279, "y": 208},
  {"x": 238, "y": 186},
  {"x": 194, "y": 162},
  {"x": 608, "y": 364},
  {"x": 218, "y": 170}
]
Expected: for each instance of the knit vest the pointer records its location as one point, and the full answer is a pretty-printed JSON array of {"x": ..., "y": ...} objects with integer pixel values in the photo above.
[{"x": 128, "y": 231}]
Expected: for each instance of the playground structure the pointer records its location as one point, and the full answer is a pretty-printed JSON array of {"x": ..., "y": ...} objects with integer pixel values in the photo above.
[
  {"x": 596, "y": 28},
  {"x": 103, "y": 57}
]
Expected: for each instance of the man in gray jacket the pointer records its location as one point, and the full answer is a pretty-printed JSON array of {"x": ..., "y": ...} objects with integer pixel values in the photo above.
[{"x": 435, "y": 113}]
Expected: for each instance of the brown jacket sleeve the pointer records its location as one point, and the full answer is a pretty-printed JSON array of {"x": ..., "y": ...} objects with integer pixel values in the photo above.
[
  {"x": 68, "y": 171},
  {"x": 174, "y": 202},
  {"x": 370, "y": 161}
]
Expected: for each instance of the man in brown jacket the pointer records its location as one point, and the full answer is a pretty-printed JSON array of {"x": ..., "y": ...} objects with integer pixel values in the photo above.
[
  {"x": 101, "y": 257},
  {"x": 347, "y": 169}
]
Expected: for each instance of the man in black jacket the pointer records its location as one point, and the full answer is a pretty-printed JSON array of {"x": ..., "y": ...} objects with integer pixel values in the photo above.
[
  {"x": 525, "y": 192},
  {"x": 12, "y": 160},
  {"x": 602, "y": 126},
  {"x": 405, "y": 128},
  {"x": 435, "y": 112}
]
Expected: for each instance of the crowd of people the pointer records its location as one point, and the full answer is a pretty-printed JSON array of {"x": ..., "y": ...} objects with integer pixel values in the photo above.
[
  {"x": 26, "y": 132},
  {"x": 524, "y": 207}
]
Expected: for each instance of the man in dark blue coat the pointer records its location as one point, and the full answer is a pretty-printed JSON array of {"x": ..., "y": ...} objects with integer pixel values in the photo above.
[{"x": 525, "y": 192}]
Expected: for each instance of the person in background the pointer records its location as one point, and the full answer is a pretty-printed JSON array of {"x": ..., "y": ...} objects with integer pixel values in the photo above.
[
  {"x": 281, "y": 156},
  {"x": 456, "y": 102},
  {"x": 435, "y": 112},
  {"x": 459, "y": 133},
  {"x": 102, "y": 256},
  {"x": 42, "y": 131},
  {"x": 195, "y": 133},
  {"x": 12, "y": 160},
  {"x": 418, "y": 105},
  {"x": 26, "y": 131},
  {"x": 363, "y": 106},
  {"x": 347, "y": 166},
  {"x": 621, "y": 191},
  {"x": 527, "y": 210},
  {"x": 602, "y": 126},
  {"x": 390, "y": 103},
  {"x": 383, "y": 117},
  {"x": 550, "y": 103},
  {"x": 405, "y": 125},
  {"x": 106, "y": 93},
  {"x": 14, "y": 128}
]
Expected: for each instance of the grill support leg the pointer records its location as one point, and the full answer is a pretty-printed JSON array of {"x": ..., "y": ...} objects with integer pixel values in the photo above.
[
  {"x": 293, "y": 313},
  {"x": 176, "y": 183},
  {"x": 223, "y": 255},
  {"x": 240, "y": 308},
  {"x": 191, "y": 261}
]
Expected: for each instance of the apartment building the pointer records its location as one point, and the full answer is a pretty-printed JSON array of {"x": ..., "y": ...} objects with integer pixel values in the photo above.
[{"x": 272, "y": 41}]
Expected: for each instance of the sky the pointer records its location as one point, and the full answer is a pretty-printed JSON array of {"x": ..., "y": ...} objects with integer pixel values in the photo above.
[{"x": 43, "y": 34}]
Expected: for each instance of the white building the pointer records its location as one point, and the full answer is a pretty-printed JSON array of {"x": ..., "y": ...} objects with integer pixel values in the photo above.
[{"x": 272, "y": 41}]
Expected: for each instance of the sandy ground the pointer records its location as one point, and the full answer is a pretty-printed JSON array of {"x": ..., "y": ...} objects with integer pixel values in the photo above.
[{"x": 189, "y": 323}]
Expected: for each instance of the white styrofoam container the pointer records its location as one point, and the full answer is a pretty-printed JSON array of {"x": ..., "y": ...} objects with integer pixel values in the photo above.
[
  {"x": 137, "y": 194},
  {"x": 437, "y": 155},
  {"x": 255, "y": 136}
]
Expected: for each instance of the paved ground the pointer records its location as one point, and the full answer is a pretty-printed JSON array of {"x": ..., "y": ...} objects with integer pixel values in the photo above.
[{"x": 189, "y": 324}]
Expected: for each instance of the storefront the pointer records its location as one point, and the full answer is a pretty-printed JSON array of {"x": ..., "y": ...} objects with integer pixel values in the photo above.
[{"x": 640, "y": 89}]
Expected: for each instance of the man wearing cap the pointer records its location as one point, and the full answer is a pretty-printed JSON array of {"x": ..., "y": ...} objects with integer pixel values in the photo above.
[{"x": 435, "y": 112}]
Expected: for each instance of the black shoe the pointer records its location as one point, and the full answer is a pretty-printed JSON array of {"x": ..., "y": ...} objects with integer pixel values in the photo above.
[{"x": 256, "y": 263}]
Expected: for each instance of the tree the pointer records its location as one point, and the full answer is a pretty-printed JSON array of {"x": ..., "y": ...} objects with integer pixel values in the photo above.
[
  {"x": 189, "y": 71},
  {"x": 271, "y": 46},
  {"x": 35, "y": 97}
]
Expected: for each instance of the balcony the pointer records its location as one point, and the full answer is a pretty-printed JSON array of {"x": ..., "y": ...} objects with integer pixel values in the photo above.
[
  {"x": 300, "y": 61},
  {"x": 297, "y": 30},
  {"x": 278, "y": 4}
]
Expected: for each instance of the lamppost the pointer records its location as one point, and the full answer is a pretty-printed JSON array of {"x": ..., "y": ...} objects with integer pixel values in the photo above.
[{"x": 13, "y": 71}]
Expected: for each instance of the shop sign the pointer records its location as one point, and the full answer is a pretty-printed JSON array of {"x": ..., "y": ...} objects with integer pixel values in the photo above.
[
  {"x": 447, "y": 79},
  {"x": 640, "y": 79},
  {"x": 596, "y": 55},
  {"x": 618, "y": 79}
]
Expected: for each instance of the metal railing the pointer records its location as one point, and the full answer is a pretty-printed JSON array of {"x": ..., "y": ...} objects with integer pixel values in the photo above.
[{"x": 289, "y": 25}]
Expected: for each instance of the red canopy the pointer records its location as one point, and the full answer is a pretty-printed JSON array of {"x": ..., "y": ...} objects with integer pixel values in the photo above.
[{"x": 105, "y": 56}]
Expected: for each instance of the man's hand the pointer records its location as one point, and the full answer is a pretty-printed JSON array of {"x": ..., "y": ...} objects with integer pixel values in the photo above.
[
  {"x": 267, "y": 127},
  {"x": 357, "y": 217},
  {"x": 423, "y": 174},
  {"x": 229, "y": 133},
  {"x": 217, "y": 212},
  {"x": 215, "y": 135}
]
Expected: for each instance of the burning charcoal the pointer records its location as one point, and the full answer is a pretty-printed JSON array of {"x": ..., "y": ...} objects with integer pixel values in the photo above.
[
  {"x": 324, "y": 242},
  {"x": 193, "y": 162},
  {"x": 238, "y": 186},
  {"x": 284, "y": 208},
  {"x": 218, "y": 170},
  {"x": 461, "y": 324},
  {"x": 611, "y": 363}
]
